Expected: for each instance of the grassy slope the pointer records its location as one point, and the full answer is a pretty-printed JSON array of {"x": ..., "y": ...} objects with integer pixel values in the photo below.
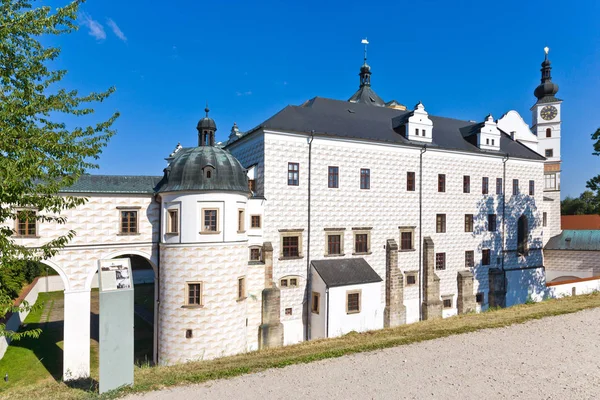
[{"x": 159, "y": 377}]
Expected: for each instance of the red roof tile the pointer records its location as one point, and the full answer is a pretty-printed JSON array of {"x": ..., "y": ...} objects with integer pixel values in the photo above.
[{"x": 580, "y": 221}]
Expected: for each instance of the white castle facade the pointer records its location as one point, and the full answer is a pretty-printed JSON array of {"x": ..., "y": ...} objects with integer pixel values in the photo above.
[{"x": 330, "y": 217}]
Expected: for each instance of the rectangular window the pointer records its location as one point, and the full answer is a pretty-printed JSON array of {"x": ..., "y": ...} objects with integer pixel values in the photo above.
[
  {"x": 293, "y": 174},
  {"x": 545, "y": 219},
  {"x": 293, "y": 282},
  {"x": 129, "y": 222},
  {"x": 484, "y": 185},
  {"x": 241, "y": 220},
  {"x": 210, "y": 220},
  {"x": 255, "y": 254},
  {"x": 515, "y": 187},
  {"x": 440, "y": 261},
  {"x": 26, "y": 223},
  {"x": 288, "y": 311},
  {"x": 291, "y": 246},
  {"x": 466, "y": 184},
  {"x": 333, "y": 177},
  {"x": 406, "y": 240},
  {"x": 532, "y": 188},
  {"x": 365, "y": 178},
  {"x": 361, "y": 243},
  {"x": 548, "y": 132},
  {"x": 440, "y": 223},
  {"x": 334, "y": 244},
  {"x": 410, "y": 181},
  {"x": 447, "y": 303},
  {"x": 284, "y": 283},
  {"x": 550, "y": 181},
  {"x": 255, "y": 221},
  {"x": 498, "y": 185},
  {"x": 172, "y": 221},
  {"x": 252, "y": 185},
  {"x": 411, "y": 278},
  {"x": 194, "y": 294},
  {"x": 316, "y": 300},
  {"x": 479, "y": 298},
  {"x": 468, "y": 222},
  {"x": 492, "y": 222},
  {"x": 485, "y": 257},
  {"x": 353, "y": 302},
  {"x": 241, "y": 288},
  {"x": 549, "y": 153},
  {"x": 469, "y": 259},
  {"x": 441, "y": 182}
]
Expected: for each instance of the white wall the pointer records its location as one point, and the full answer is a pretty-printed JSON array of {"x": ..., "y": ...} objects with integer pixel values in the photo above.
[
  {"x": 523, "y": 285},
  {"x": 584, "y": 287},
  {"x": 370, "y": 316},
  {"x": 318, "y": 322}
]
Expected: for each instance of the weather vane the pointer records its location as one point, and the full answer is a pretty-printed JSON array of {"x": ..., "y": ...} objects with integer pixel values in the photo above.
[
  {"x": 546, "y": 49},
  {"x": 365, "y": 42}
]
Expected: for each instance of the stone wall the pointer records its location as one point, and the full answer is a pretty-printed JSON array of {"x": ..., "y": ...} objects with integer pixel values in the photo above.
[
  {"x": 395, "y": 312},
  {"x": 582, "y": 264},
  {"x": 432, "y": 306}
]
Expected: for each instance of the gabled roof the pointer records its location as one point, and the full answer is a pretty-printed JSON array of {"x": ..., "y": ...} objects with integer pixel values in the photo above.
[
  {"x": 354, "y": 120},
  {"x": 126, "y": 184},
  {"x": 580, "y": 221},
  {"x": 588, "y": 239},
  {"x": 345, "y": 272}
]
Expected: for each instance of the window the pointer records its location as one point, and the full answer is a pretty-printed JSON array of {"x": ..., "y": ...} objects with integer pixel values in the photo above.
[
  {"x": 492, "y": 222},
  {"x": 440, "y": 226},
  {"x": 129, "y": 222},
  {"x": 288, "y": 311},
  {"x": 316, "y": 302},
  {"x": 492, "y": 142},
  {"x": 469, "y": 259},
  {"x": 353, "y": 302},
  {"x": 484, "y": 185},
  {"x": 468, "y": 222},
  {"x": 208, "y": 173},
  {"x": 440, "y": 261},
  {"x": 550, "y": 181},
  {"x": 293, "y": 282},
  {"x": 241, "y": 220},
  {"x": 293, "y": 174},
  {"x": 466, "y": 184},
  {"x": 255, "y": 254},
  {"x": 361, "y": 243},
  {"x": 417, "y": 131},
  {"x": 544, "y": 219},
  {"x": 255, "y": 221},
  {"x": 447, "y": 302},
  {"x": 411, "y": 278},
  {"x": 209, "y": 222},
  {"x": 333, "y": 177},
  {"x": 194, "y": 294},
  {"x": 241, "y": 288},
  {"x": 334, "y": 244},
  {"x": 423, "y": 132},
  {"x": 548, "y": 132},
  {"x": 479, "y": 298},
  {"x": 532, "y": 188},
  {"x": 172, "y": 221},
  {"x": 487, "y": 141},
  {"x": 406, "y": 240},
  {"x": 549, "y": 153},
  {"x": 441, "y": 182},
  {"x": 291, "y": 247},
  {"x": 252, "y": 185},
  {"x": 498, "y": 185},
  {"x": 365, "y": 179},
  {"x": 515, "y": 187},
  {"x": 410, "y": 181},
  {"x": 485, "y": 257},
  {"x": 283, "y": 283},
  {"x": 289, "y": 282},
  {"x": 522, "y": 233},
  {"x": 26, "y": 223},
  {"x": 189, "y": 334}
]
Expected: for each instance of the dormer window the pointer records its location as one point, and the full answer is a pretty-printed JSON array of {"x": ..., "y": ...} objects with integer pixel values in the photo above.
[
  {"x": 208, "y": 174},
  {"x": 209, "y": 171},
  {"x": 416, "y": 126}
]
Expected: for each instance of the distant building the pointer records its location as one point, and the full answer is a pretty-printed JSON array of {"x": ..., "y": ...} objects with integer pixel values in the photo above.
[{"x": 578, "y": 222}]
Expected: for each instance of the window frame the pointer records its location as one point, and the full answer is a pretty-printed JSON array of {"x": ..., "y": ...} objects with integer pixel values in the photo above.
[
  {"x": 241, "y": 220},
  {"x": 469, "y": 218},
  {"x": 544, "y": 219},
  {"x": 349, "y": 293},
  {"x": 492, "y": 223},
  {"x": 466, "y": 184},
  {"x": 205, "y": 231},
  {"x": 333, "y": 177},
  {"x": 241, "y": 288},
  {"x": 410, "y": 181},
  {"x": 515, "y": 185},
  {"x": 365, "y": 178},
  {"x": 252, "y": 225},
  {"x": 447, "y": 298},
  {"x": 499, "y": 188},
  {"x": 548, "y": 132},
  {"x": 288, "y": 282},
  {"x": 486, "y": 257},
  {"x": 259, "y": 249},
  {"x": 123, "y": 210},
  {"x": 440, "y": 257},
  {"x": 440, "y": 223},
  {"x": 332, "y": 233},
  {"x": 550, "y": 178},
  {"x": 549, "y": 153},
  {"x": 441, "y": 183},
  {"x": 485, "y": 185},
  {"x": 478, "y": 296},
  {"x": 317, "y": 303},
  {"x": 355, "y": 234},
  {"x": 187, "y": 302},
  {"x": 294, "y": 178},
  {"x": 531, "y": 187},
  {"x": 27, "y": 223},
  {"x": 283, "y": 234},
  {"x": 410, "y": 230},
  {"x": 411, "y": 274},
  {"x": 172, "y": 220},
  {"x": 469, "y": 259}
]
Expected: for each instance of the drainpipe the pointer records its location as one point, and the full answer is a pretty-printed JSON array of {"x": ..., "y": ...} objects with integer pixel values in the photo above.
[
  {"x": 327, "y": 313},
  {"x": 156, "y": 281},
  {"x": 308, "y": 269},
  {"x": 504, "y": 160},
  {"x": 421, "y": 289}
]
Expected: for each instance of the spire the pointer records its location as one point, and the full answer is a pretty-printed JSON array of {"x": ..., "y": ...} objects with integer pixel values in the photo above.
[
  {"x": 207, "y": 110},
  {"x": 546, "y": 89},
  {"x": 206, "y": 130},
  {"x": 365, "y": 70}
]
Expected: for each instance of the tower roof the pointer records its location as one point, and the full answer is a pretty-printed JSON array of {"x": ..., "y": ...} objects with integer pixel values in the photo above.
[
  {"x": 207, "y": 123},
  {"x": 365, "y": 94},
  {"x": 546, "y": 89}
]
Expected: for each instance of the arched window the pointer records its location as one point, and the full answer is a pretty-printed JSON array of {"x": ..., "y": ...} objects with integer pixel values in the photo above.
[
  {"x": 548, "y": 132},
  {"x": 522, "y": 234},
  {"x": 208, "y": 173}
]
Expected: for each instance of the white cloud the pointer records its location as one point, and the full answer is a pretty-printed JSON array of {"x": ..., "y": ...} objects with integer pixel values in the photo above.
[
  {"x": 116, "y": 30},
  {"x": 95, "y": 29}
]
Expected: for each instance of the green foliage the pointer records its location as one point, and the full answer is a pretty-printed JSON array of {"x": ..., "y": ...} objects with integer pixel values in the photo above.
[
  {"x": 587, "y": 203},
  {"x": 594, "y": 183},
  {"x": 39, "y": 154}
]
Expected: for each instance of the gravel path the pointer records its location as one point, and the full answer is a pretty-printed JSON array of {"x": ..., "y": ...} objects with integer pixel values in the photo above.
[{"x": 552, "y": 358}]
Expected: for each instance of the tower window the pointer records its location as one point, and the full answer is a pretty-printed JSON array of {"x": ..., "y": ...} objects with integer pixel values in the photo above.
[
  {"x": 550, "y": 181},
  {"x": 492, "y": 142},
  {"x": 548, "y": 132},
  {"x": 423, "y": 132},
  {"x": 549, "y": 153},
  {"x": 417, "y": 131},
  {"x": 487, "y": 141},
  {"x": 209, "y": 222}
]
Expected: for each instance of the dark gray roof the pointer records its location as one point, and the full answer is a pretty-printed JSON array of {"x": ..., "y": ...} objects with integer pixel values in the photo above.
[
  {"x": 354, "y": 120},
  {"x": 114, "y": 184},
  {"x": 345, "y": 271},
  {"x": 186, "y": 171},
  {"x": 366, "y": 95},
  {"x": 575, "y": 240}
]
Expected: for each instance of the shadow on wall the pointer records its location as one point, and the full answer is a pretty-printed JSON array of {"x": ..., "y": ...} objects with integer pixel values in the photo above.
[{"x": 523, "y": 260}]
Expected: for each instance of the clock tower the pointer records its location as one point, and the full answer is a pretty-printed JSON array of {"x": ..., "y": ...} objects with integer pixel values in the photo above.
[{"x": 546, "y": 117}]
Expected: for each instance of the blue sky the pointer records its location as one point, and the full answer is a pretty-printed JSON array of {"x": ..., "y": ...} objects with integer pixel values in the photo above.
[{"x": 462, "y": 59}]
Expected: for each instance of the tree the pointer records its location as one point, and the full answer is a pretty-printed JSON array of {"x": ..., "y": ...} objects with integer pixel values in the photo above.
[
  {"x": 587, "y": 203},
  {"x": 594, "y": 183},
  {"x": 39, "y": 154}
]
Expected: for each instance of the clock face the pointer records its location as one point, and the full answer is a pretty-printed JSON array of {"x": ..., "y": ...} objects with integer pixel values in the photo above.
[{"x": 549, "y": 113}]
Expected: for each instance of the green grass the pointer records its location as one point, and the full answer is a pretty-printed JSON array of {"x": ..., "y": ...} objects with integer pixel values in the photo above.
[{"x": 147, "y": 379}]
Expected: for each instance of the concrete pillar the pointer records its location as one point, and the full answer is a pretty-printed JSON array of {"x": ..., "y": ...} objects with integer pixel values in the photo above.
[
  {"x": 394, "y": 313},
  {"x": 432, "y": 305},
  {"x": 270, "y": 332},
  {"x": 76, "y": 354},
  {"x": 466, "y": 299},
  {"x": 497, "y": 293}
]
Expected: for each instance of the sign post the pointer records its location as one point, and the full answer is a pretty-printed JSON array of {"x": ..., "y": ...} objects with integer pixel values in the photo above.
[{"x": 116, "y": 324}]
